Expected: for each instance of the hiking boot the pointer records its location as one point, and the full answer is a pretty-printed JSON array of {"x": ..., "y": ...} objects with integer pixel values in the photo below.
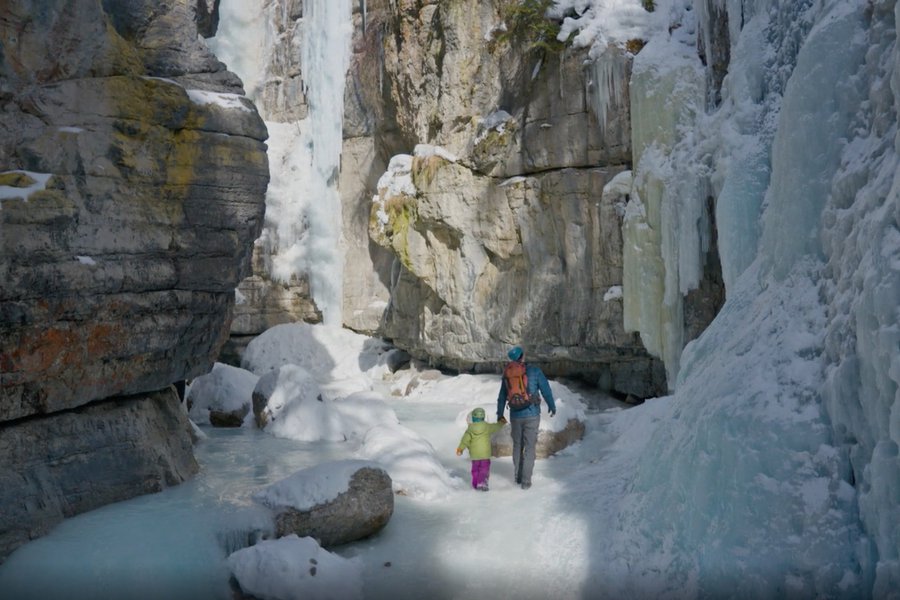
[
  {"x": 483, "y": 487},
  {"x": 526, "y": 485},
  {"x": 518, "y": 479}
]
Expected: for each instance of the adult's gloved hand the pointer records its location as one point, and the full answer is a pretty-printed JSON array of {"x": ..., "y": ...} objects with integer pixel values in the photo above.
[
  {"x": 459, "y": 451},
  {"x": 501, "y": 419},
  {"x": 552, "y": 412}
]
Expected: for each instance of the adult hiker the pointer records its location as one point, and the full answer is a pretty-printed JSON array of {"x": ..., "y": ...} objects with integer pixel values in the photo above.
[{"x": 522, "y": 387}]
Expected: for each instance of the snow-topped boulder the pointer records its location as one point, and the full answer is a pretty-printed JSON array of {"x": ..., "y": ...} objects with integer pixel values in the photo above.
[
  {"x": 329, "y": 353},
  {"x": 555, "y": 433},
  {"x": 289, "y": 402},
  {"x": 293, "y": 568},
  {"x": 222, "y": 397},
  {"x": 335, "y": 503},
  {"x": 549, "y": 442}
]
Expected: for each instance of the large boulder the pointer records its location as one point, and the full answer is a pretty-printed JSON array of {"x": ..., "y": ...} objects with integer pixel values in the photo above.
[
  {"x": 335, "y": 503},
  {"x": 74, "y": 461},
  {"x": 549, "y": 441},
  {"x": 222, "y": 397}
]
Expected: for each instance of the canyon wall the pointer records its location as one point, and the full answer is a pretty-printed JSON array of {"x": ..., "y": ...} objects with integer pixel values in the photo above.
[
  {"x": 503, "y": 236},
  {"x": 496, "y": 217},
  {"x": 132, "y": 180}
]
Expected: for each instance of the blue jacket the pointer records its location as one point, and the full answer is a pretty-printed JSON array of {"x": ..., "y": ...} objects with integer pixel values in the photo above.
[{"x": 537, "y": 381}]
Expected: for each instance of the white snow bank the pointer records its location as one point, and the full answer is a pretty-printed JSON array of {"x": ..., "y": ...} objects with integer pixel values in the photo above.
[
  {"x": 222, "y": 99},
  {"x": 426, "y": 150},
  {"x": 410, "y": 460},
  {"x": 602, "y": 22},
  {"x": 295, "y": 568},
  {"x": 361, "y": 411},
  {"x": 313, "y": 486},
  {"x": 462, "y": 389},
  {"x": 224, "y": 389},
  {"x": 397, "y": 180},
  {"x": 329, "y": 353},
  {"x": 300, "y": 409},
  {"x": 39, "y": 182}
]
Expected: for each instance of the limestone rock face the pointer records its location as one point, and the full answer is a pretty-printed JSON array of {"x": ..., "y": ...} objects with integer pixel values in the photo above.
[
  {"x": 490, "y": 260},
  {"x": 142, "y": 195},
  {"x": 132, "y": 181},
  {"x": 485, "y": 265},
  {"x": 77, "y": 460},
  {"x": 451, "y": 72},
  {"x": 502, "y": 235},
  {"x": 363, "y": 510}
]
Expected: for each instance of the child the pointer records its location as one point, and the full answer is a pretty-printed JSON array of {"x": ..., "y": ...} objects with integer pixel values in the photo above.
[{"x": 477, "y": 439}]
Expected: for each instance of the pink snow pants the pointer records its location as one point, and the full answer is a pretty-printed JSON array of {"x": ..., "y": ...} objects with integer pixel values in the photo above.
[{"x": 481, "y": 471}]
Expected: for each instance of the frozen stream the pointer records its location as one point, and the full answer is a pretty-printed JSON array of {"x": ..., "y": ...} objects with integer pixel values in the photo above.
[{"x": 173, "y": 544}]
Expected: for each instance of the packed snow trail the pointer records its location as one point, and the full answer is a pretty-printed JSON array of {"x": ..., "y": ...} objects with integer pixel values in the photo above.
[{"x": 507, "y": 542}]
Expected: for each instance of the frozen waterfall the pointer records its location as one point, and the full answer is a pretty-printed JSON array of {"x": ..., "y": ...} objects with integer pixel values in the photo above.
[{"x": 302, "y": 234}]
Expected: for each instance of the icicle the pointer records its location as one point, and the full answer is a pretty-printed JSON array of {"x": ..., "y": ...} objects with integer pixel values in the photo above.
[{"x": 609, "y": 71}]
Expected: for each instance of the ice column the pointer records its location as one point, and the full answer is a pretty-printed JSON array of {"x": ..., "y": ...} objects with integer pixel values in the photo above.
[
  {"x": 610, "y": 92},
  {"x": 325, "y": 55},
  {"x": 664, "y": 232}
]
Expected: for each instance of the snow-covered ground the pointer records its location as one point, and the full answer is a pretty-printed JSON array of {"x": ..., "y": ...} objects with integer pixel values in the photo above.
[
  {"x": 572, "y": 535},
  {"x": 444, "y": 539}
]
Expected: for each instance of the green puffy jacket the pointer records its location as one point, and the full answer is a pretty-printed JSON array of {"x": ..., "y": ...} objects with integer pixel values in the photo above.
[{"x": 477, "y": 439}]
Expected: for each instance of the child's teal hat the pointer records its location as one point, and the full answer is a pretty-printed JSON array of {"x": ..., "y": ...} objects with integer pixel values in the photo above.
[{"x": 478, "y": 414}]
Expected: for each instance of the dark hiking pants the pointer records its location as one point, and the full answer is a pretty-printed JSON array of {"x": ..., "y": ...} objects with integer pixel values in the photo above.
[{"x": 524, "y": 435}]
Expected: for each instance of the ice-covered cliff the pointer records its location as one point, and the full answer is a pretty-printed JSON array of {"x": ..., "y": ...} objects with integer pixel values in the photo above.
[{"x": 796, "y": 380}]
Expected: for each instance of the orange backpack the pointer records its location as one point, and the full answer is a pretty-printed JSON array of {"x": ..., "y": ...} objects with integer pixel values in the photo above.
[{"x": 516, "y": 385}]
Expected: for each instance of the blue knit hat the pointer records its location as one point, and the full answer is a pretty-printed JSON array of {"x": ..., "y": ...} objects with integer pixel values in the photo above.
[{"x": 515, "y": 353}]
